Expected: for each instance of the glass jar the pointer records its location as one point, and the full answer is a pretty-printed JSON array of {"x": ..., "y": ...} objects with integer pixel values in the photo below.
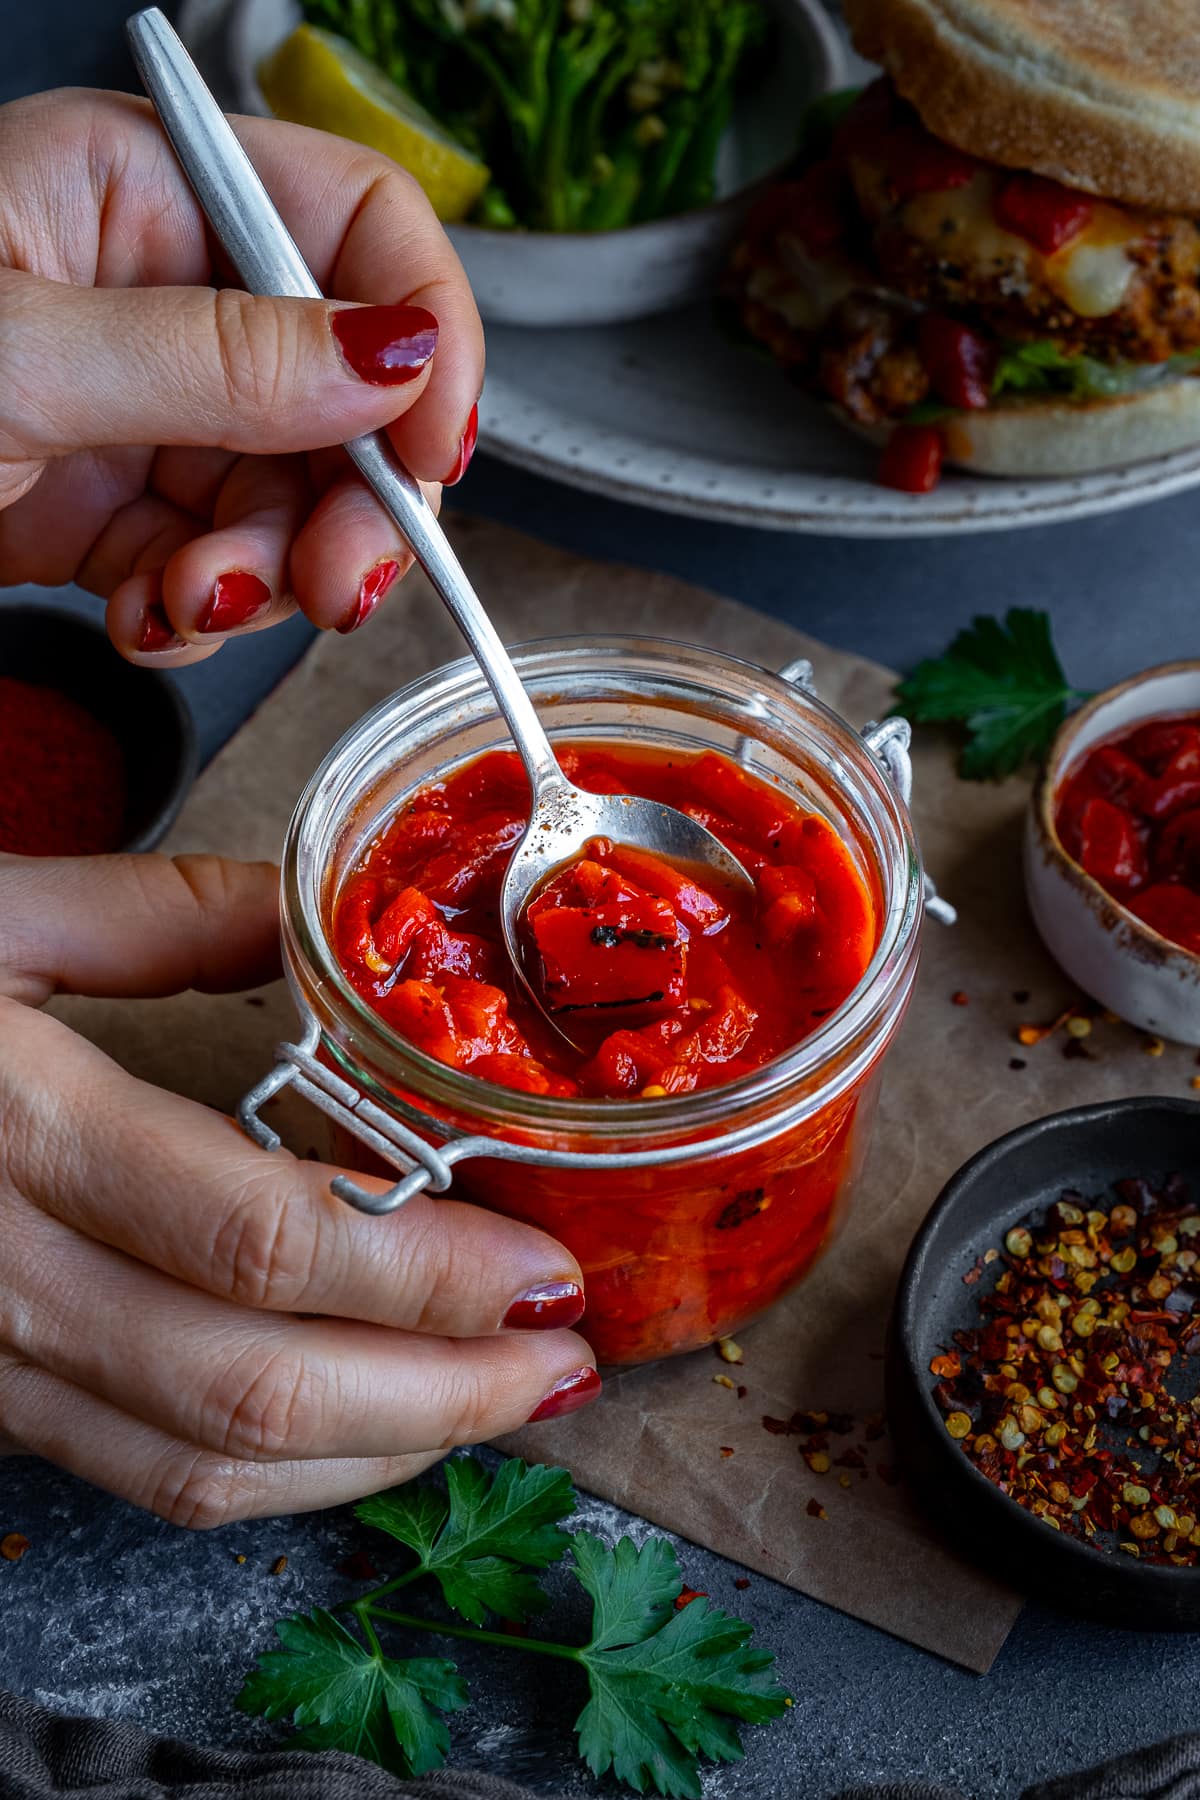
[{"x": 690, "y": 1214}]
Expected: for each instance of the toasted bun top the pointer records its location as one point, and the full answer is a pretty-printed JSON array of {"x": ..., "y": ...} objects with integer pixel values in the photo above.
[{"x": 1101, "y": 94}]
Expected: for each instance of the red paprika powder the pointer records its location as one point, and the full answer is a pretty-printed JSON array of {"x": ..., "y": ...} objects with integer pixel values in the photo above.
[{"x": 62, "y": 775}]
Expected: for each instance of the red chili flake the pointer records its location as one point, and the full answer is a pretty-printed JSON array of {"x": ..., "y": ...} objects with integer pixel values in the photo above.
[
  {"x": 741, "y": 1582},
  {"x": 13, "y": 1546},
  {"x": 850, "y": 1459},
  {"x": 888, "y": 1474},
  {"x": 1017, "y": 1062},
  {"x": 279, "y": 1565},
  {"x": 359, "y": 1567},
  {"x": 725, "y": 1450},
  {"x": 686, "y": 1595},
  {"x": 743, "y": 1390},
  {"x": 958, "y": 998},
  {"x": 815, "y": 1510},
  {"x": 946, "y": 1367},
  {"x": 778, "y": 1427}
]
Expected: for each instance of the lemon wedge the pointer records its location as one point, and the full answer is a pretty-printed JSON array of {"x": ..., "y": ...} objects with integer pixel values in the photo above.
[{"x": 315, "y": 78}]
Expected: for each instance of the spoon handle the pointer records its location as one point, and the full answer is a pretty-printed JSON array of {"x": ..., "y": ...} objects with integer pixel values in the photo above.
[{"x": 263, "y": 252}]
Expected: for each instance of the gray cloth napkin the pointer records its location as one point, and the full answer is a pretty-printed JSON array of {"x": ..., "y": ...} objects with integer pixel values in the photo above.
[{"x": 44, "y": 1756}]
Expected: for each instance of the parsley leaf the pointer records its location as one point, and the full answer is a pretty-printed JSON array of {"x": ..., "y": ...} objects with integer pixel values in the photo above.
[
  {"x": 1004, "y": 682},
  {"x": 345, "y": 1697},
  {"x": 666, "y": 1686},
  {"x": 484, "y": 1536}
]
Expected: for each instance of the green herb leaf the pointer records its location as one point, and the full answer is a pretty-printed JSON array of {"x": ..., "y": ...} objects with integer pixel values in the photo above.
[
  {"x": 483, "y": 1536},
  {"x": 1042, "y": 368},
  {"x": 666, "y": 1686},
  {"x": 1004, "y": 683},
  {"x": 346, "y": 1697}
]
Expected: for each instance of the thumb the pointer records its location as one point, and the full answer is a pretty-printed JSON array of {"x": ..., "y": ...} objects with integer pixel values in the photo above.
[
  {"x": 135, "y": 925},
  {"x": 84, "y": 368}
]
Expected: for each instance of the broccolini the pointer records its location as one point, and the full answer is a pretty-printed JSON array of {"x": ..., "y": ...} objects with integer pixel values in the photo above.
[{"x": 591, "y": 114}]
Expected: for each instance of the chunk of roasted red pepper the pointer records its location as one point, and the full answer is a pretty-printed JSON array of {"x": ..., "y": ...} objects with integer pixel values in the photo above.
[
  {"x": 625, "y": 953},
  {"x": 912, "y": 459},
  {"x": 960, "y": 361},
  {"x": 1110, "y": 846},
  {"x": 1172, "y": 910},
  {"x": 1045, "y": 213}
]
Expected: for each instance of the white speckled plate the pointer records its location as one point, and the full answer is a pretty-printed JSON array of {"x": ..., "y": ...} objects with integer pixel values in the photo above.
[{"x": 668, "y": 413}]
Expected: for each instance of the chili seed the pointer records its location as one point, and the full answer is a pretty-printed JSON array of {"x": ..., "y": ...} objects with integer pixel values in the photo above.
[
  {"x": 1167, "y": 1518},
  {"x": 1078, "y": 1027},
  {"x": 1135, "y": 1495},
  {"x": 1064, "y": 1379},
  {"x": 1018, "y": 1242},
  {"x": 13, "y": 1546},
  {"x": 958, "y": 1425},
  {"x": 818, "y": 1461},
  {"x": 729, "y": 1351}
]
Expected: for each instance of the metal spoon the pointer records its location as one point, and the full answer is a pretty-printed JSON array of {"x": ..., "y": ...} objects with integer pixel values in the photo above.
[{"x": 563, "y": 818}]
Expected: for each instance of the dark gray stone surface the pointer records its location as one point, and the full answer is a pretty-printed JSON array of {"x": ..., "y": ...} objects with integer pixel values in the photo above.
[{"x": 117, "y": 1614}]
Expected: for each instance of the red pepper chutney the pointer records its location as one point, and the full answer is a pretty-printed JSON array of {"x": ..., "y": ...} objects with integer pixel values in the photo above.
[
  {"x": 666, "y": 984},
  {"x": 1130, "y": 816}
]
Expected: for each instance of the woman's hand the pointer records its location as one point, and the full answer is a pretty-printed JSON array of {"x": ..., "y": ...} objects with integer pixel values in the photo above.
[
  {"x": 190, "y": 1322},
  {"x": 166, "y": 443}
]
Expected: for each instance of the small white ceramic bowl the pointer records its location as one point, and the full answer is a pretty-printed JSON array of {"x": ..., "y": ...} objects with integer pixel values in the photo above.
[
  {"x": 543, "y": 278},
  {"x": 1103, "y": 947}
]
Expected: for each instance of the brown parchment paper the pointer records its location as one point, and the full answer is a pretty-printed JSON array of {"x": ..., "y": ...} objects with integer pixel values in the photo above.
[{"x": 654, "y": 1443}]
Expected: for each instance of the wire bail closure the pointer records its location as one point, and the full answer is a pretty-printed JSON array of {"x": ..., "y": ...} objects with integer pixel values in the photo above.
[{"x": 429, "y": 1166}]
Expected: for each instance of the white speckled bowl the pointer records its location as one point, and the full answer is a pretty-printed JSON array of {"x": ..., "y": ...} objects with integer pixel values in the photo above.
[
  {"x": 1112, "y": 955},
  {"x": 544, "y": 278}
]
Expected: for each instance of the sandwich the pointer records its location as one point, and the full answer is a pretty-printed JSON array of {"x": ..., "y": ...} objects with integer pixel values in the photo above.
[{"x": 992, "y": 257}]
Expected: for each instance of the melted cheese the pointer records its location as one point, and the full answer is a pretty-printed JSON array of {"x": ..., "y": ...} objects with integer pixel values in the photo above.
[
  {"x": 805, "y": 291},
  {"x": 1092, "y": 274}
]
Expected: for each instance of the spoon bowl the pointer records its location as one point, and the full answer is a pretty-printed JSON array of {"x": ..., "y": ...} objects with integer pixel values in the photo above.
[{"x": 565, "y": 819}]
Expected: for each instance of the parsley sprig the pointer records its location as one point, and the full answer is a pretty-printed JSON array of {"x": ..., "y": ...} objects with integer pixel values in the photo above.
[
  {"x": 1003, "y": 681},
  {"x": 667, "y": 1684}
]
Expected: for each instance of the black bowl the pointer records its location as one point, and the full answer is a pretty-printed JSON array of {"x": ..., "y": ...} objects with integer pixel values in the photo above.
[
  {"x": 1088, "y": 1148},
  {"x": 141, "y": 707}
]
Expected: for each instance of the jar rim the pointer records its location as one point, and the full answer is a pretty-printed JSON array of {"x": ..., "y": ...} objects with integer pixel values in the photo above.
[{"x": 317, "y": 974}]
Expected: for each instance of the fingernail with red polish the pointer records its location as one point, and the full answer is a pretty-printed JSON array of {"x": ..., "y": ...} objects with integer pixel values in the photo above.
[
  {"x": 237, "y": 597},
  {"x": 554, "y": 1306},
  {"x": 466, "y": 450},
  {"x": 371, "y": 589},
  {"x": 567, "y": 1396},
  {"x": 157, "y": 632},
  {"x": 386, "y": 345}
]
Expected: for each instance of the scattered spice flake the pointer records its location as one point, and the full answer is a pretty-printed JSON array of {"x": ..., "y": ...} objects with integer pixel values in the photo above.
[
  {"x": 1154, "y": 1046},
  {"x": 742, "y": 1391},
  {"x": 729, "y": 1351},
  {"x": 1079, "y": 1026},
  {"x": 726, "y": 1450},
  {"x": 1037, "y": 1034},
  {"x": 973, "y": 1273},
  {"x": 1195, "y": 1081},
  {"x": 686, "y": 1595},
  {"x": 279, "y": 1565},
  {"x": 1075, "y": 1050},
  {"x": 13, "y": 1546},
  {"x": 958, "y": 998},
  {"x": 777, "y": 1427},
  {"x": 725, "y": 1381},
  {"x": 1017, "y": 1062},
  {"x": 843, "y": 1481},
  {"x": 815, "y": 1510},
  {"x": 741, "y": 1582},
  {"x": 359, "y": 1567},
  {"x": 254, "y": 1000},
  {"x": 1069, "y": 1393},
  {"x": 818, "y": 1461},
  {"x": 239, "y": 1558}
]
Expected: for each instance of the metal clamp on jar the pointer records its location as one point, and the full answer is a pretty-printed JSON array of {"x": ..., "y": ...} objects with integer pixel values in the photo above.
[{"x": 691, "y": 1213}]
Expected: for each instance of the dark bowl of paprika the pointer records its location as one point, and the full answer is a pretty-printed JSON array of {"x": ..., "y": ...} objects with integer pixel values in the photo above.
[
  {"x": 1088, "y": 1418},
  {"x": 95, "y": 754}
]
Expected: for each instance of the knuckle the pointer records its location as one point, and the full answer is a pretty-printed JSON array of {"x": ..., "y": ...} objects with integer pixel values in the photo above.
[
  {"x": 196, "y": 1490},
  {"x": 265, "y": 1251},
  {"x": 480, "y": 1399},
  {"x": 258, "y": 351},
  {"x": 262, "y": 1407}
]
